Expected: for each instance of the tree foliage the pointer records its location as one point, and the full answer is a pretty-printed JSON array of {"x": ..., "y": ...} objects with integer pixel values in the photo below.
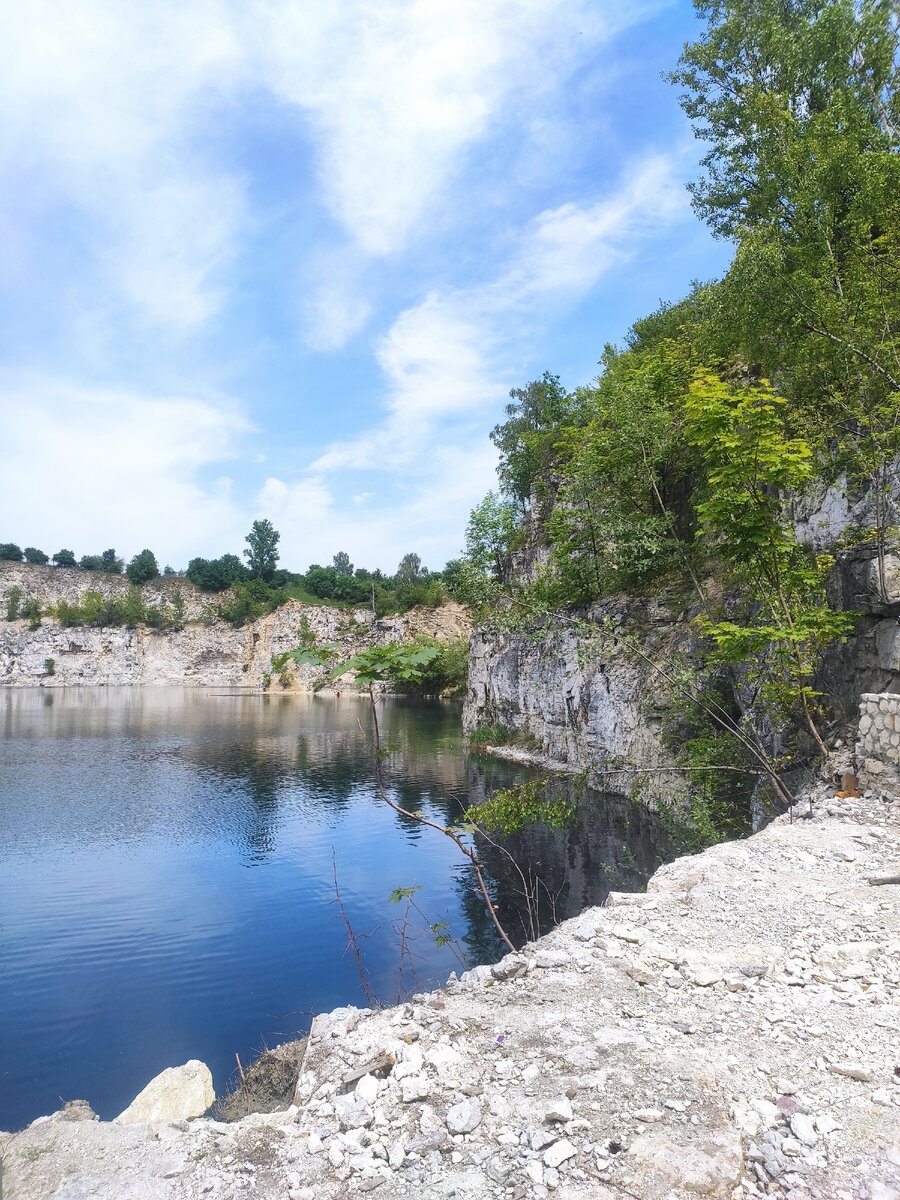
[
  {"x": 262, "y": 549},
  {"x": 143, "y": 567}
]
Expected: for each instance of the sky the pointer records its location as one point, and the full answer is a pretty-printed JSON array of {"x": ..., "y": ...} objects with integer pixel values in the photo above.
[{"x": 286, "y": 258}]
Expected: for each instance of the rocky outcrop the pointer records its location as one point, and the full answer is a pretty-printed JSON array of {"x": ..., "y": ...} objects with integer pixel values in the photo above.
[
  {"x": 49, "y": 585},
  {"x": 579, "y": 706},
  {"x": 205, "y": 652},
  {"x": 731, "y": 1033}
]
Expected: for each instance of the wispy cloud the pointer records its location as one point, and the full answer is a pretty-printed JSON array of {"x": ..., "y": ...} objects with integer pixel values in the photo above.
[{"x": 442, "y": 359}]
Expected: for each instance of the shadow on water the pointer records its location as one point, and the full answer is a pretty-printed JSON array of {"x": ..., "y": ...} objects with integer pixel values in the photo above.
[{"x": 166, "y": 875}]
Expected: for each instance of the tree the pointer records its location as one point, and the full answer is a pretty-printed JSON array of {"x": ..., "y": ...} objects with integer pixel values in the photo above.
[
  {"x": 33, "y": 555},
  {"x": 91, "y": 562},
  {"x": 215, "y": 574},
  {"x": 10, "y": 552},
  {"x": 525, "y": 439},
  {"x": 143, "y": 567},
  {"x": 410, "y": 570},
  {"x": 751, "y": 462},
  {"x": 489, "y": 534},
  {"x": 798, "y": 103},
  {"x": 64, "y": 558},
  {"x": 262, "y": 555},
  {"x": 342, "y": 563},
  {"x": 110, "y": 563}
]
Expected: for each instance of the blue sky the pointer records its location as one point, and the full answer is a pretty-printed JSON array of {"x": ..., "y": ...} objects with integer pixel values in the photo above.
[{"x": 280, "y": 259}]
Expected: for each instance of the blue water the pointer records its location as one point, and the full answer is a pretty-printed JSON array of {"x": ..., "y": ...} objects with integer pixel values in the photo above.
[{"x": 167, "y": 864}]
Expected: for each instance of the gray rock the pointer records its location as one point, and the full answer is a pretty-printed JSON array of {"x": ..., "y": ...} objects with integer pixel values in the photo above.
[{"x": 465, "y": 1116}]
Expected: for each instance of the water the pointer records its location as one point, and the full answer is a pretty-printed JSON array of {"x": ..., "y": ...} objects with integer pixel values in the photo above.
[{"x": 167, "y": 876}]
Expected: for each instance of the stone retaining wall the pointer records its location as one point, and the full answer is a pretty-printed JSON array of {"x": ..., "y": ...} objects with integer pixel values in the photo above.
[{"x": 878, "y": 741}]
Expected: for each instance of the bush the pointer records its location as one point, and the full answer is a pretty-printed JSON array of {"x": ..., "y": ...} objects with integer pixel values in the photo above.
[
  {"x": 216, "y": 574},
  {"x": 91, "y": 562},
  {"x": 13, "y": 598},
  {"x": 143, "y": 567},
  {"x": 64, "y": 558},
  {"x": 31, "y": 611},
  {"x": 10, "y": 552},
  {"x": 49, "y": 666},
  {"x": 447, "y": 672},
  {"x": 33, "y": 555}
]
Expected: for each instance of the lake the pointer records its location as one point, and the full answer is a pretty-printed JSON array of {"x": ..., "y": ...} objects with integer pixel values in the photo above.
[{"x": 169, "y": 863}]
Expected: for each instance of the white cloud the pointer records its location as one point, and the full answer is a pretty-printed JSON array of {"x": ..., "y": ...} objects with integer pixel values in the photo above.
[
  {"x": 441, "y": 360},
  {"x": 102, "y": 109},
  {"x": 92, "y": 467},
  {"x": 398, "y": 90}
]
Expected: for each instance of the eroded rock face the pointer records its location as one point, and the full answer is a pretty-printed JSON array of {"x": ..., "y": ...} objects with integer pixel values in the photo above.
[
  {"x": 176, "y": 1094},
  {"x": 580, "y": 707}
]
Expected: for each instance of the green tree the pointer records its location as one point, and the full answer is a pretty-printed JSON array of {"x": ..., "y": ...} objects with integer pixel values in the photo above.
[
  {"x": 262, "y": 552},
  {"x": 33, "y": 555},
  {"x": 526, "y": 438},
  {"x": 342, "y": 563},
  {"x": 64, "y": 558},
  {"x": 410, "y": 569},
  {"x": 215, "y": 574},
  {"x": 489, "y": 535},
  {"x": 751, "y": 462},
  {"x": 10, "y": 552},
  {"x": 110, "y": 563},
  {"x": 143, "y": 567},
  {"x": 13, "y": 599},
  {"x": 797, "y": 100},
  {"x": 91, "y": 562}
]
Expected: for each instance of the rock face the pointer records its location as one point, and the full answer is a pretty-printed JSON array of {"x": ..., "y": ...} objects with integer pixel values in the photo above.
[
  {"x": 204, "y": 653},
  {"x": 576, "y": 706},
  {"x": 731, "y": 1033},
  {"x": 176, "y": 1094}
]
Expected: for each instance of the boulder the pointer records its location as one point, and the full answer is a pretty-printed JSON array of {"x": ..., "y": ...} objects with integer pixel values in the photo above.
[{"x": 176, "y": 1094}]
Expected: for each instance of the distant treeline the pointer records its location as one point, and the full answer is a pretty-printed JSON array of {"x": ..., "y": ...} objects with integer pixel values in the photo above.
[{"x": 259, "y": 585}]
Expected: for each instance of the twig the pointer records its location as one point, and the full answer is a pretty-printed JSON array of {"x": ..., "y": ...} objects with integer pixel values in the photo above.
[{"x": 352, "y": 940}]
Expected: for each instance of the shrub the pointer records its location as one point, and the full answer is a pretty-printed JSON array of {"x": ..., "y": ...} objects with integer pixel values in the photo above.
[
  {"x": 10, "y": 552},
  {"x": 33, "y": 555},
  {"x": 49, "y": 666},
  {"x": 64, "y": 558},
  {"x": 216, "y": 574},
  {"x": 143, "y": 567},
  {"x": 31, "y": 611},
  {"x": 13, "y": 598},
  {"x": 91, "y": 562}
]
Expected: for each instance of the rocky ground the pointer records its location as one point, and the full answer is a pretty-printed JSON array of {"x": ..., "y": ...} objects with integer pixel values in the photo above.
[{"x": 735, "y": 1032}]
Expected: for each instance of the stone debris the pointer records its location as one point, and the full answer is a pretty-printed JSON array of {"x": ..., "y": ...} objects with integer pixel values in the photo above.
[{"x": 731, "y": 1033}]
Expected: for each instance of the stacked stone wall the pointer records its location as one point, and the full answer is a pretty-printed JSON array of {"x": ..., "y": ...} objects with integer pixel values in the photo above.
[{"x": 878, "y": 741}]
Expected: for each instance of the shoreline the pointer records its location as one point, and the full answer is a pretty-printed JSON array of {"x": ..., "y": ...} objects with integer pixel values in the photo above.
[{"x": 731, "y": 1032}]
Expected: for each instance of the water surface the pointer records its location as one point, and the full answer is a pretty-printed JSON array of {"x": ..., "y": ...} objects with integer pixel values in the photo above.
[{"x": 167, "y": 876}]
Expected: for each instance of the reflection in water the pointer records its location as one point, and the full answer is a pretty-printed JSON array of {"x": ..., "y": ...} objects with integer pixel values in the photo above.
[{"x": 166, "y": 884}]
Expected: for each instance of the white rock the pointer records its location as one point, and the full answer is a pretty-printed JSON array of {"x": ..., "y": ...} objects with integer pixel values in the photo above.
[
  {"x": 559, "y": 1153},
  {"x": 559, "y": 1110},
  {"x": 535, "y": 1171},
  {"x": 415, "y": 1088},
  {"x": 465, "y": 1116},
  {"x": 367, "y": 1089},
  {"x": 649, "y": 1115},
  {"x": 176, "y": 1094},
  {"x": 802, "y": 1129}
]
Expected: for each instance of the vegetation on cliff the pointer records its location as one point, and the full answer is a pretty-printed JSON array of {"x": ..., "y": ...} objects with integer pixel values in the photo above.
[{"x": 670, "y": 471}]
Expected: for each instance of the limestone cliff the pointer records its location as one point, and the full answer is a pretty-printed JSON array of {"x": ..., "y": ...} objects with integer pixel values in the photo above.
[
  {"x": 204, "y": 653},
  {"x": 593, "y": 709}
]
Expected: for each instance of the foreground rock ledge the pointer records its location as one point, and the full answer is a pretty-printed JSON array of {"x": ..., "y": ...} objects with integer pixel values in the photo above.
[{"x": 734, "y": 1032}]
